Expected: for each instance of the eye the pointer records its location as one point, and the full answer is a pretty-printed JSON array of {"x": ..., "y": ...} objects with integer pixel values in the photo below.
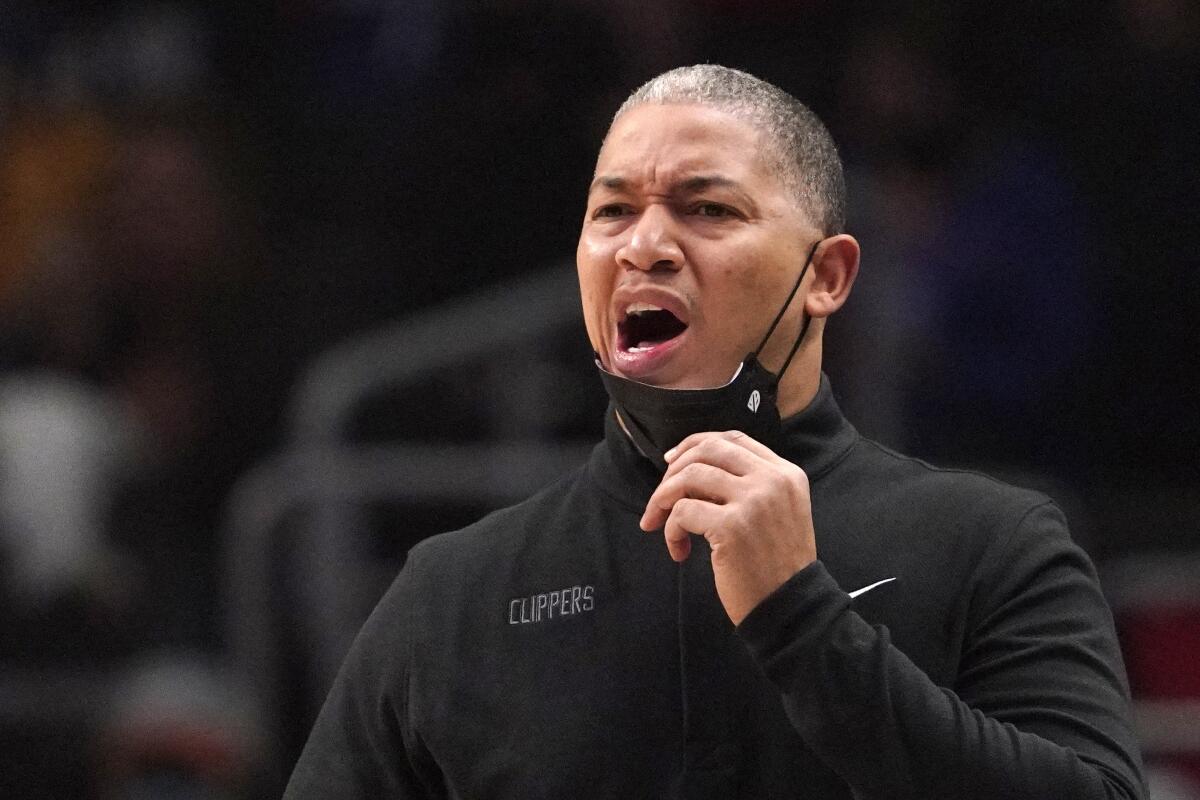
[
  {"x": 713, "y": 210},
  {"x": 609, "y": 210}
]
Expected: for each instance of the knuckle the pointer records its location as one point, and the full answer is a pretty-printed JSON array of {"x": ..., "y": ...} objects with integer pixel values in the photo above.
[
  {"x": 796, "y": 475},
  {"x": 737, "y": 518},
  {"x": 779, "y": 479},
  {"x": 683, "y": 477}
]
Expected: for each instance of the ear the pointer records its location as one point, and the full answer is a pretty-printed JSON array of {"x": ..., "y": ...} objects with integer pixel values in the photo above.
[{"x": 834, "y": 268}]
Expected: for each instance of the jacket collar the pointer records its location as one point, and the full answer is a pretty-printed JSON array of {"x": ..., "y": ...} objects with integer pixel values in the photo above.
[{"x": 815, "y": 439}]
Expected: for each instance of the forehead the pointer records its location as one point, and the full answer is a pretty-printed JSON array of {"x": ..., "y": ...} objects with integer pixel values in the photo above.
[{"x": 651, "y": 143}]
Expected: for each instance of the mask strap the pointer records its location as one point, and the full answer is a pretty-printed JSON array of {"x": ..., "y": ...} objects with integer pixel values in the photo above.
[
  {"x": 774, "y": 323},
  {"x": 795, "y": 347}
]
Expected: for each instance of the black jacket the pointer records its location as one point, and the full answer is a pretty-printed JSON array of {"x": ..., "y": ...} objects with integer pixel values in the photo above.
[{"x": 554, "y": 650}]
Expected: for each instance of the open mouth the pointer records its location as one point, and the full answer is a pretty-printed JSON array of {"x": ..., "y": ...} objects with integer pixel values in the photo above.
[{"x": 646, "y": 326}]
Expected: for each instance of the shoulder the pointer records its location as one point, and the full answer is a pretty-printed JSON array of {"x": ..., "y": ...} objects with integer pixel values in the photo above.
[
  {"x": 936, "y": 493},
  {"x": 964, "y": 547},
  {"x": 500, "y": 534},
  {"x": 950, "y": 526},
  {"x": 454, "y": 588},
  {"x": 1008, "y": 533},
  {"x": 449, "y": 572}
]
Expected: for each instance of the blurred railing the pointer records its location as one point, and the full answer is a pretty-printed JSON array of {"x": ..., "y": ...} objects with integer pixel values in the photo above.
[
  {"x": 498, "y": 320},
  {"x": 299, "y": 562}
]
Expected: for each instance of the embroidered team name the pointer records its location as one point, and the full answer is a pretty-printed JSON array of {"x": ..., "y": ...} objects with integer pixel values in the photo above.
[{"x": 551, "y": 605}]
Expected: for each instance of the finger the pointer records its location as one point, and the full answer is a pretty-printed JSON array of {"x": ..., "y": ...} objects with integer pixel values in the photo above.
[
  {"x": 689, "y": 517},
  {"x": 697, "y": 480},
  {"x": 687, "y": 443},
  {"x": 718, "y": 452},
  {"x": 737, "y": 437}
]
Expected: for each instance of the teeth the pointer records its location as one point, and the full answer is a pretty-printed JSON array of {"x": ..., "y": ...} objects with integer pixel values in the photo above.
[{"x": 640, "y": 308}]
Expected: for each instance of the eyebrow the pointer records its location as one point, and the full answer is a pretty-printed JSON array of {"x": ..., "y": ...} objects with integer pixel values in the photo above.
[
  {"x": 696, "y": 183},
  {"x": 608, "y": 182}
]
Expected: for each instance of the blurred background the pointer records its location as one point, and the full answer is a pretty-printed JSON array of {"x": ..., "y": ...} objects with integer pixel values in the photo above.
[{"x": 287, "y": 285}]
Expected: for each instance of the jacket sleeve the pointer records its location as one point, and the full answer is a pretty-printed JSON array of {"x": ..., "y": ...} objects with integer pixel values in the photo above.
[
  {"x": 1039, "y": 707},
  {"x": 362, "y": 745}
]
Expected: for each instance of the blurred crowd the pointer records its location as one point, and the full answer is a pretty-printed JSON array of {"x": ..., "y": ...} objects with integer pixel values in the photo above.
[{"x": 197, "y": 198}]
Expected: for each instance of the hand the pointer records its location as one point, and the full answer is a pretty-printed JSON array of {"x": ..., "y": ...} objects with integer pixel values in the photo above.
[{"x": 752, "y": 506}]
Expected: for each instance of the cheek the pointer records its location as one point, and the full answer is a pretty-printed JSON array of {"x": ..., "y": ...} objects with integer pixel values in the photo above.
[
  {"x": 595, "y": 290},
  {"x": 592, "y": 315},
  {"x": 750, "y": 283},
  {"x": 744, "y": 292},
  {"x": 747, "y": 302},
  {"x": 765, "y": 285},
  {"x": 595, "y": 251}
]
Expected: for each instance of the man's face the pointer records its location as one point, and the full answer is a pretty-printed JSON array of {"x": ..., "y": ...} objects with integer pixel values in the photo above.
[{"x": 689, "y": 247}]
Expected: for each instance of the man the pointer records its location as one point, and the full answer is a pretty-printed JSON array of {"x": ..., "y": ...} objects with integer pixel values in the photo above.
[{"x": 553, "y": 649}]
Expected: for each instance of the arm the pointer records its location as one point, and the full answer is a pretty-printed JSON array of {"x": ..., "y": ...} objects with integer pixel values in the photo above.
[
  {"x": 361, "y": 745},
  {"x": 1039, "y": 708}
]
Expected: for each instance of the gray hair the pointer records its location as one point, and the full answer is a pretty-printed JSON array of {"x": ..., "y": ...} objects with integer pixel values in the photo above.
[{"x": 804, "y": 152}]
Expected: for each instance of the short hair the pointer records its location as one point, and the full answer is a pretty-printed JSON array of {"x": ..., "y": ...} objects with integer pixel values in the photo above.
[{"x": 804, "y": 151}]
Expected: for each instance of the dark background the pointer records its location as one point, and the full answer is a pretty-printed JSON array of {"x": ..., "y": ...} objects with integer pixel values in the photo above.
[{"x": 197, "y": 199}]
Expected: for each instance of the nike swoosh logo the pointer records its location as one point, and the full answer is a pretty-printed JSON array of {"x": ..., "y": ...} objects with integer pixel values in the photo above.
[{"x": 866, "y": 589}]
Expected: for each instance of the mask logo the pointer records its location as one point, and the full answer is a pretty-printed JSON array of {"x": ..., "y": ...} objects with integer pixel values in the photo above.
[{"x": 755, "y": 399}]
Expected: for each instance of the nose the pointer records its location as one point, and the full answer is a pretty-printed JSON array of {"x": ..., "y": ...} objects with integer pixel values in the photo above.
[{"x": 653, "y": 242}]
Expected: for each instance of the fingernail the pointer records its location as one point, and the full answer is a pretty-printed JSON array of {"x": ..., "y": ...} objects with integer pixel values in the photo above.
[{"x": 670, "y": 454}]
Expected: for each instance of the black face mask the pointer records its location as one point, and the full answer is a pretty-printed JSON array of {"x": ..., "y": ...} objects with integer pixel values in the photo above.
[{"x": 657, "y": 419}]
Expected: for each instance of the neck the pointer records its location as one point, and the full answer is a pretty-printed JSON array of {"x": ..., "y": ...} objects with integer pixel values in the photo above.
[{"x": 803, "y": 377}]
